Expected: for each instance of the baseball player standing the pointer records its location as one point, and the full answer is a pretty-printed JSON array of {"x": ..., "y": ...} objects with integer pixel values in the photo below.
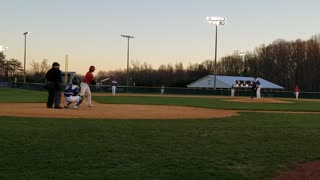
[
  {"x": 114, "y": 86},
  {"x": 258, "y": 89},
  {"x": 162, "y": 89},
  {"x": 254, "y": 88},
  {"x": 71, "y": 94},
  {"x": 85, "y": 89},
  {"x": 296, "y": 91},
  {"x": 232, "y": 90}
]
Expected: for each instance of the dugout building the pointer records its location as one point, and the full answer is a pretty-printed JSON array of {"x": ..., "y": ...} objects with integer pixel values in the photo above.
[{"x": 226, "y": 82}]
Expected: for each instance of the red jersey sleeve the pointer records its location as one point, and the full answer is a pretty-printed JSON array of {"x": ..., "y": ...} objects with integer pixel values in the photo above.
[{"x": 88, "y": 78}]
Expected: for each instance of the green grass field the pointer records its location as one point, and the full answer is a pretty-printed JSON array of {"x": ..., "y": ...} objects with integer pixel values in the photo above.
[
  {"x": 20, "y": 95},
  {"x": 250, "y": 146}
]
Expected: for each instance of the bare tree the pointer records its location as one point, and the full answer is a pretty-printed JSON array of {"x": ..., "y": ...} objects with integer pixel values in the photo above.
[
  {"x": 39, "y": 68},
  {"x": 231, "y": 65},
  {"x": 38, "y": 71}
]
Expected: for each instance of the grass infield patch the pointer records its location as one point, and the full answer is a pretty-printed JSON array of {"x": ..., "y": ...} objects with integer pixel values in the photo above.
[{"x": 22, "y": 96}]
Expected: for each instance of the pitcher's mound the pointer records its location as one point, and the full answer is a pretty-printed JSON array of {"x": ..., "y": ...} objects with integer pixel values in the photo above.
[{"x": 255, "y": 100}]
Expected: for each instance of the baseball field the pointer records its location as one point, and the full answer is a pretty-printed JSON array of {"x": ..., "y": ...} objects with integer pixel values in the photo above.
[{"x": 139, "y": 136}]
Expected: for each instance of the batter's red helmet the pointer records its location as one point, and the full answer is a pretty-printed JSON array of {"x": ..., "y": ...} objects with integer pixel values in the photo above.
[{"x": 92, "y": 68}]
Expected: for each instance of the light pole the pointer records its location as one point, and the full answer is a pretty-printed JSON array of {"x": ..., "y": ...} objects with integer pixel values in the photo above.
[
  {"x": 242, "y": 54},
  {"x": 216, "y": 21},
  {"x": 128, "y": 37},
  {"x": 25, "y": 56}
]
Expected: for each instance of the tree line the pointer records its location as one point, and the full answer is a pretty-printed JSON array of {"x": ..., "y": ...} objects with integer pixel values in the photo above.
[{"x": 286, "y": 63}]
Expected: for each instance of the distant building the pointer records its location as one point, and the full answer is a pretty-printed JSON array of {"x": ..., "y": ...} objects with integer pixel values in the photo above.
[{"x": 227, "y": 81}]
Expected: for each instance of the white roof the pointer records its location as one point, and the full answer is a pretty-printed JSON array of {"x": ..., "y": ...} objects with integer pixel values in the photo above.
[{"x": 227, "y": 81}]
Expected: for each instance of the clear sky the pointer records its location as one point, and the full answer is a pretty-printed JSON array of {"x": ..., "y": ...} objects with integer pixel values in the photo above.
[{"x": 165, "y": 31}]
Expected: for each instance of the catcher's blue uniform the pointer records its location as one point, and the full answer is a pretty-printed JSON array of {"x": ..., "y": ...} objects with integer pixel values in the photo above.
[
  {"x": 71, "y": 95},
  {"x": 71, "y": 90}
]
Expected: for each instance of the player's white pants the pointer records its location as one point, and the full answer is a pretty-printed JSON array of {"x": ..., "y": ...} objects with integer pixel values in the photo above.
[
  {"x": 258, "y": 93},
  {"x": 232, "y": 92},
  {"x": 114, "y": 88},
  {"x": 72, "y": 99},
  {"x": 297, "y": 95},
  {"x": 85, "y": 89}
]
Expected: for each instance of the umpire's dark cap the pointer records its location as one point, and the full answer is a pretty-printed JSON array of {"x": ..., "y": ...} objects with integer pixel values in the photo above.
[{"x": 55, "y": 64}]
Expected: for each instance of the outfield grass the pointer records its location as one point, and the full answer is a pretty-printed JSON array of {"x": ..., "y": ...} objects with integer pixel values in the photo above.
[
  {"x": 250, "y": 146},
  {"x": 21, "y": 95}
]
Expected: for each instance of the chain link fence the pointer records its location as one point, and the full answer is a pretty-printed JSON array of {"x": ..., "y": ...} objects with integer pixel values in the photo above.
[{"x": 171, "y": 90}]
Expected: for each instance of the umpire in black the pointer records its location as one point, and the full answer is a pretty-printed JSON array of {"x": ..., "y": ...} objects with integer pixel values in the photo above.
[{"x": 54, "y": 81}]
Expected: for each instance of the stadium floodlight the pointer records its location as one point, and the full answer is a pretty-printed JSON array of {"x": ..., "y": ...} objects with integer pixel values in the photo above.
[
  {"x": 3, "y": 48},
  {"x": 25, "y": 56},
  {"x": 217, "y": 21},
  {"x": 128, "y": 37}
]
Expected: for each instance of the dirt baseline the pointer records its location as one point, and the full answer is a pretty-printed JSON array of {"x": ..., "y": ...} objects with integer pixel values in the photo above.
[{"x": 112, "y": 111}]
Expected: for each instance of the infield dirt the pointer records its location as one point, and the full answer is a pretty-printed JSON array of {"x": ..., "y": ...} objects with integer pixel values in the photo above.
[
  {"x": 112, "y": 111},
  {"x": 126, "y": 111}
]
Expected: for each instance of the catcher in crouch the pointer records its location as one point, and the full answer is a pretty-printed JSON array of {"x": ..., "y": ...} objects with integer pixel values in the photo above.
[{"x": 71, "y": 95}]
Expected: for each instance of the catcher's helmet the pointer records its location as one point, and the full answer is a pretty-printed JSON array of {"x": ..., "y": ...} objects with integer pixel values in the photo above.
[{"x": 92, "y": 68}]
